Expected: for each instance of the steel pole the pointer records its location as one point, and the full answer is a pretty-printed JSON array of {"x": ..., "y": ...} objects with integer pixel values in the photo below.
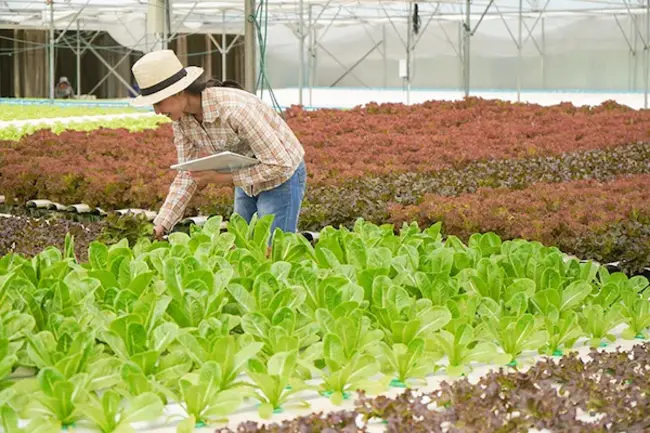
[
  {"x": 310, "y": 59},
  {"x": 466, "y": 51},
  {"x": 519, "y": 48},
  {"x": 384, "y": 54},
  {"x": 166, "y": 24},
  {"x": 51, "y": 53},
  {"x": 224, "y": 52},
  {"x": 301, "y": 45},
  {"x": 635, "y": 75},
  {"x": 409, "y": 25},
  {"x": 543, "y": 55},
  {"x": 646, "y": 55},
  {"x": 249, "y": 46},
  {"x": 78, "y": 60}
]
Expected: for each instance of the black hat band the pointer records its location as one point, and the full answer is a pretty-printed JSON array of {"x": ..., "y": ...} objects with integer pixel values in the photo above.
[{"x": 164, "y": 84}]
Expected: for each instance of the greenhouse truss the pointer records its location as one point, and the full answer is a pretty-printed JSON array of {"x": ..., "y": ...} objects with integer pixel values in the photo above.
[{"x": 458, "y": 44}]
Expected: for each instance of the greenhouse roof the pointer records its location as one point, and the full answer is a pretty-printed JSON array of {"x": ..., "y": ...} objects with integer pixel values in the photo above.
[{"x": 203, "y": 16}]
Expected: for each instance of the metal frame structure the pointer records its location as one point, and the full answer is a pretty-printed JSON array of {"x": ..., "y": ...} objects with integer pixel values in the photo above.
[{"x": 310, "y": 20}]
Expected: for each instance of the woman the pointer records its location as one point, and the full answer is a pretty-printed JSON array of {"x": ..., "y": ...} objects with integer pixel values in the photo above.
[{"x": 214, "y": 117}]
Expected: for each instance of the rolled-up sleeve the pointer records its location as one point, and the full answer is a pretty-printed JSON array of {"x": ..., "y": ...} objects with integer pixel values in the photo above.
[
  {"x": 182, "y": 187},
  {"x": 266, "y": 144}
]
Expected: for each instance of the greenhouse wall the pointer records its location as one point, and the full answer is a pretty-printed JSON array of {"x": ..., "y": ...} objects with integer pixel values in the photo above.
[
  {"x": 24, "y": 73},
  {"x": 572, "y": 53}
]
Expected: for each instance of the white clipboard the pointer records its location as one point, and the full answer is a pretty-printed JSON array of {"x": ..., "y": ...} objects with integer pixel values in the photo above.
[{"x": 224, "y": 162}]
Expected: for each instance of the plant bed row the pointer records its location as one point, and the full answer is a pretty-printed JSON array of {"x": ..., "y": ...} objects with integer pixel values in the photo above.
[
  {"x": 389, "y": 138},
  {"x": 28, "y": 236},
  {"x": 32, "y": 231},
  {"x": 101, "y": 174},
  {"x": 604, "y": 393},
  {"x": 14, "y": 133},
  {"x": 101, "y": 168},
  {"x": 372, "y": 197},
  {"x": 211, "y": 322},
  {"x": 11, "y": 112},
  {"x": 605, "y": 221}
]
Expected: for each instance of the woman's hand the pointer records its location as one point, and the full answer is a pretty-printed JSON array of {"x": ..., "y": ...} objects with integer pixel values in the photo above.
[
  {"x": 158, "y": 232},
  {"x": 212, "y": 177}
]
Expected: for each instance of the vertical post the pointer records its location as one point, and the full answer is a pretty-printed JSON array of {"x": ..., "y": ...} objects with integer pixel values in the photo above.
[
  {"x": 78, "y": 60},
  {"x": 167, "y": 24},
  {"x": 207, "y": 59},
  {"x": 51, "y": 53},
  {"x": 409, "y": 25},
  {"x": 646, "y": 55},
  {"x": 519, "y": 48},
  {"x": 466, "y": 36},
  {"x": 461, "y": 56},
  {"x": 635, "y": 74},
  {"x": 301, "y": 56},
  {"x": 543, "y": 56},
  {"x": 224, "y": 48},
  {"x": 249, "y": 46},
  {"x": 315, "y": 53},
  {"x": 384, "y": 54},
  {"x": 310, "y": 59},
  {"x": 163, "y": 35},
  {"x": 629, "y": 60}
]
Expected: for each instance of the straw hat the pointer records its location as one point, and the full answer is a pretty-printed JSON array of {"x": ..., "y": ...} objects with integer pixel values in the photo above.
[{"x": 160, "y": 74}]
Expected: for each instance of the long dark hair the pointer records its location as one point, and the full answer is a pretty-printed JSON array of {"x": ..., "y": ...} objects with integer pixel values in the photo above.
[{"x": 199, "y": 86}]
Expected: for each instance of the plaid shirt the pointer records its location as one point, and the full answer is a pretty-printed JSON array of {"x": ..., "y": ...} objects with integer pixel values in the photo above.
[{"x": 239, "y": 122}]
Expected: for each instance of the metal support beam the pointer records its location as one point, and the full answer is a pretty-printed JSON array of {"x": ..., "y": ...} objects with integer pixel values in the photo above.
[
  {"x": 466, "y": 51},
  {"x": 301, "y": 54},
  {"x": 174, "y": 33},
  {"x": 224, "y": 59},
  {"x": 97, "y": 33},
  {"x": 393, "y": 24},
  {"x": 461, "y": 55},
  {"x": 357, "y": 63},
  {"x": 110, "y": 68},
  {"x": 450, "y": 42},
  {"x": 310, "y": 59},
  {"x": 543, "y": 55},
  {"x": 519, "y": 48},
  {"x": 167, "y": 24},
  {"x": 249, "y": 47},
  {"x": 426, "y": 26},
  {"x": 624, "y": 33},
  {"x": 51, "y": 53},
  {"x": 409, "y": 47},
  {"x": 347, "y": 70},
  {"x": 646, "y": 55},
  {"x": 468, "y": 32},
  {"x": 519, "y": 41},
  {"x": 223, "y": 47},
  {"x": 636, "y": 24},
  {"x": 74, "y": 19},
  {"x": 635, "y": 73},
  {"x": 384, "y": 54},
  {"x": 631, "y": 51},
  {"x": 126, "y": 56},
  {"x": 78, "y": 55}
]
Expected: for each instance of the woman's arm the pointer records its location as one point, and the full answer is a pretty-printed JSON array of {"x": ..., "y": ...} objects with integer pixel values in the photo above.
[{"x": 182, "y": 188}]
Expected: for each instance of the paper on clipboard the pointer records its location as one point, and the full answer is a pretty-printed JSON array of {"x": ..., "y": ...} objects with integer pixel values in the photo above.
[{"x": 225, "y": 162}]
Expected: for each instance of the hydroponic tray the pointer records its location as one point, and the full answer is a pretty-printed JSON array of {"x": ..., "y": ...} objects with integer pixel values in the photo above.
[{"x": 248, "y": 412}]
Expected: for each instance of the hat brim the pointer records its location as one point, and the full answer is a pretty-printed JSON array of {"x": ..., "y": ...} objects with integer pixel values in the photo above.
[{"x": 193, "y": 73}]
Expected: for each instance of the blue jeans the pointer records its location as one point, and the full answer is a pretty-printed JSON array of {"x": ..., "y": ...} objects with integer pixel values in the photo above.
[{"x": 283, "y": 202}]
